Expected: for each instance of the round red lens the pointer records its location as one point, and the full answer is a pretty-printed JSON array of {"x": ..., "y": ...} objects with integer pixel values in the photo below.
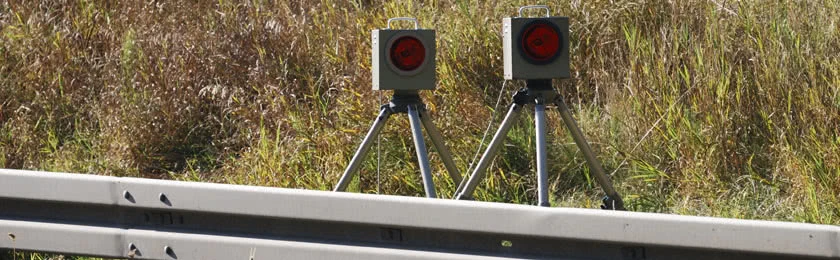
[
  {"x": 407, "y": 53},
  {"x": 541, "y": 42}
]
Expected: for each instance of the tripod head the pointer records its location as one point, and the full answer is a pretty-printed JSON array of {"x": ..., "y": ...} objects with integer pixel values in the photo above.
[{"x": 402, "y": 99}]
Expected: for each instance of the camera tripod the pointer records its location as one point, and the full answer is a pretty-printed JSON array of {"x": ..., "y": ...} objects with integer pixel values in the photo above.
[
  {"x": 538, "y": 93},
  {"x": 409, "y": 102}
]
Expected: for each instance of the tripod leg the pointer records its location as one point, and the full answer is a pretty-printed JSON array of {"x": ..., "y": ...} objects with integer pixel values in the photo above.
[
  {"x": 542, "y": 164},
  {"x": 613, "y": 200},
  {"x": 437, "y": 142},
  {"x": 363, "y": 149},
  {"x": 422, "y": 155},
  {"x": 481, "y": 169}
]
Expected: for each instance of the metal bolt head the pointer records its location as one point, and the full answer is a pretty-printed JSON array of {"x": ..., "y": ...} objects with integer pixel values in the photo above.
[
  {"x": 164, "y": 199},
  {"x": 168, "y": 250},
  {"x": 127, "y": 195}
]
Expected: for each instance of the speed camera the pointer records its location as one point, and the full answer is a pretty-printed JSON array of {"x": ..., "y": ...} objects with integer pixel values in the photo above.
[
  {"x": 403, "y": 59},
  {"x": 536, "y": 47}
]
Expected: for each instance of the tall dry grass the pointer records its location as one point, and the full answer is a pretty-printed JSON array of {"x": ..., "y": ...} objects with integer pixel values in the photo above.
[{"x": 742, "y": 98}]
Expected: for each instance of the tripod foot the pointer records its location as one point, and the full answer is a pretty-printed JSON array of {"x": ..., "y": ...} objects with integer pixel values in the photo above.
[
  {"x": 612, "y": 204},
  {"x": 463, "y": 197}
]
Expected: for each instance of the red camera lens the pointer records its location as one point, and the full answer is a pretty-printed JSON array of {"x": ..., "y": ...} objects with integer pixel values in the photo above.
[
  {"x": 407, "y": 53},
  {"x": 541, "y": 42}
]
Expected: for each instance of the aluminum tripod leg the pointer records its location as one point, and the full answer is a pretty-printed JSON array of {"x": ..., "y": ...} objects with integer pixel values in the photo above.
[
  {"x": 363, "y": 149},
  {"x": 422, "y": 154},
  {"x": 613, "y": 200},
  {"x": 542, "y": 164},
  {"x": 481, "y": 169},
  {"x": 437, "y": 142}
]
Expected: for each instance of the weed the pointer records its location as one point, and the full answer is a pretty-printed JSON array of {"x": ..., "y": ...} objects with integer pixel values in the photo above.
[{"x": 277, "y": 93}]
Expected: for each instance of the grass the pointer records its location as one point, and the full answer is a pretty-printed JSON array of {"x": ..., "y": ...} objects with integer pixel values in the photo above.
[{"x": 742, "y": 98}]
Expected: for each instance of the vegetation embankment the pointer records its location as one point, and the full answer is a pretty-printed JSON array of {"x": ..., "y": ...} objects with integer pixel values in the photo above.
[{"x": 716, "y": 108}]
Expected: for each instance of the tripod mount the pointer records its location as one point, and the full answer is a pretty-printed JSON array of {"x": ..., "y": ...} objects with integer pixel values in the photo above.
[
  {"x": 539, "y": 93},
  {"x": 408, "y": 102}
]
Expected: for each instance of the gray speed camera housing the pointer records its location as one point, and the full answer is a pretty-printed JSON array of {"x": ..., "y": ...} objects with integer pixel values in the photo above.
[
  {"x": 517, "y": 65},
  {"x": 388, "y": 77}
]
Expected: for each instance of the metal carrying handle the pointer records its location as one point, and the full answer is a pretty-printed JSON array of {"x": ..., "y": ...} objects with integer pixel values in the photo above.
[
  {"x": 416, "y": 24},
  {"x": 547, "y": 11}
]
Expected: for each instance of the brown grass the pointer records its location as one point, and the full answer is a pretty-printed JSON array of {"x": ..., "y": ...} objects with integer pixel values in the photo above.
[{"x": 277, "y": 93}]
